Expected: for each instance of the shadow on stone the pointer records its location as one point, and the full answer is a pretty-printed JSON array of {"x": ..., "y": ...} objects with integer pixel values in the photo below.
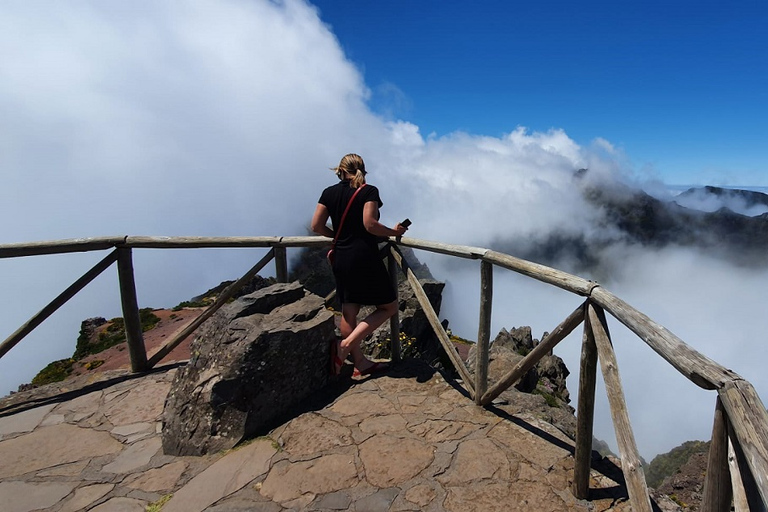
[{"x": 54, "y": 393}]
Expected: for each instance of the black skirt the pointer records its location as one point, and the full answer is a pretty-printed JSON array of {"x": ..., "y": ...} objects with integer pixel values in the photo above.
[{"x": 361, "y": 277}]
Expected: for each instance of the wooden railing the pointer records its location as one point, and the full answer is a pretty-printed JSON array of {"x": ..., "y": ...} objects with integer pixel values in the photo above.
[{"x": 737, "y": 469}]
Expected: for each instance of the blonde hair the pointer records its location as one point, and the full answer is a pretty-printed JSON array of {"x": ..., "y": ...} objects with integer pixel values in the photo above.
[{"x": 353, "y": 166}]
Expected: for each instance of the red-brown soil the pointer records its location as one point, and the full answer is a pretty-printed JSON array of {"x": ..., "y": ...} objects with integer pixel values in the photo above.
[{"x": 117, "y": 357}]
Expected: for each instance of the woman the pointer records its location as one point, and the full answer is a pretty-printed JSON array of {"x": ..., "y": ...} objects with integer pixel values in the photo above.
[{"x": 361, "y": 277}]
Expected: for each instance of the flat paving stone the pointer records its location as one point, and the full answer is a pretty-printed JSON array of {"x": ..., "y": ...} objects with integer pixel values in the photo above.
[
  {"x": 135, "y": 456},
  {"x": 25, "y": 421},
  {"x": 159, "y": 479},
  {"x": 326, "y": 474},
  {"x": 121, "y": 504},
  {"x": 137, "y": 405},
  {"x": 52, "y": 446},
  {"x": 224, "y": 477},
  {"x": 390, "y": 460},
  {"x": 23, "y": 496},
  {"x": 86, "y": 496}
]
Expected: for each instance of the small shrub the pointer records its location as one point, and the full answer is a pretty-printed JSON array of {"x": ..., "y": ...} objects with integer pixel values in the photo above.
[
  {"x": 202, "y": 303},
  {"x": 148, "y": 319},
  {"x": 56, "y": 371},
  {"x": 114, "y": 334},
  {"x": 548, "y": 397},
  {"x": 92, "y": 365},
  {"x": 157, "y": 506}
]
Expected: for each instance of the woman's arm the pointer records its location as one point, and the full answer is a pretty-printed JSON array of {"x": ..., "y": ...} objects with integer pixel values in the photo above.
[
  {"x": 372, "y": 224},
  {"x": 319, "y": 220}
]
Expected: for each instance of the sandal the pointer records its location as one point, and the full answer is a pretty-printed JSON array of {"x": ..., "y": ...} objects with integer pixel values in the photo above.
[{"x": 374, "y": 368}]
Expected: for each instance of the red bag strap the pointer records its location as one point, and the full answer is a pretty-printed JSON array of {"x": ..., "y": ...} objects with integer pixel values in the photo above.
[{"x": 344, "y": 215}]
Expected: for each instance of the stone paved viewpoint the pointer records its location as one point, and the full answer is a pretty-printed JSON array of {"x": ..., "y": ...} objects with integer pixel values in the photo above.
[{"x": 404, "y": 441}]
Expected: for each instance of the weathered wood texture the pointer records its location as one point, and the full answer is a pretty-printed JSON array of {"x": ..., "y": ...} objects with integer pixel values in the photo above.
[
  {"x": 483, "y": 331},
  {"x": 394, "y": 321},
  {"x": 434, "y": 321},
  {"x": 134, "y": 336},
  {"x": 222, "y": 299},
  {"x": 585, "y": 413},
  {"x": 460, "y": 251},
  {"x": 717, "y": 484},
  {"x": 630, "y": 458},
  {"x": 59, "y": 246},
  {"x": 56, "y": 303},
  {"x": 740, "y": 502},
  {"x": 698, "y": 368},
  {"x": 534, "y": 356},
  {"x": 541, "y": 273},
  {"x": 749, "y": 419},
  {"x": 281, "y": 265},
  {"x": 196, "y": 242}
]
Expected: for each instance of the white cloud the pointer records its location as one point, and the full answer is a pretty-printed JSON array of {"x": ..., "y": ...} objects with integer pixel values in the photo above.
[
  {"x": 702, "y": 199},
  {"x": 222, "y": 118}
]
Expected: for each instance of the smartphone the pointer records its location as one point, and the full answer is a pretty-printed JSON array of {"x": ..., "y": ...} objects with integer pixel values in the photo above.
[{"x": 406, "y": 223}]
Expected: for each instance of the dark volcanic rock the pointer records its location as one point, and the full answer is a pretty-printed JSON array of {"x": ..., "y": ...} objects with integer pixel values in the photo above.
[
  {"x": 418, "y": 340},
  {"x": 253, "y": 361},
  {"x": 541, "y": 391}
]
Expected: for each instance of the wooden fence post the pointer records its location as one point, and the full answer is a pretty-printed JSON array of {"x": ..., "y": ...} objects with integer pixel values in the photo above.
[
  {"x": 133, "y": 333},
  {"x": 394, "y": 322},
  {"x": 717, "y": 485},
  {"x": 749, "y": 434},
  {"x": 585, "y": 414},
  {"x": 281, "y": 265},
  {"x": 630, "y": 458},
  {"x": 483, "y": 331},
  {"x": 740, "y": 501}
]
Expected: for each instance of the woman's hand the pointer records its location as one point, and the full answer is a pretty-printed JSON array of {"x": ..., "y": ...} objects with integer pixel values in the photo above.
[{"x": 400, "y": 229}]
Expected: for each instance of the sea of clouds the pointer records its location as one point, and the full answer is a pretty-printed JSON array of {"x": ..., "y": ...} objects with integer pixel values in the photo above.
[{"x": 222, "y": 118}]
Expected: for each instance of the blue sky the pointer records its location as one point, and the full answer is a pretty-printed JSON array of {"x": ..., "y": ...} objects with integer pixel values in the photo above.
[{"x": 681, "y": 87}]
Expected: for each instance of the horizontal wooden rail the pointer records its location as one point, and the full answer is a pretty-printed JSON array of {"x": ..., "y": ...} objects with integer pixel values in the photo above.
[
  {"x": 698, "y": 368},
  {"x": 460, "y": 251},
  {"x": 232, "y": 242},
  {"x": 16, "y": 250},
  {"x": 542, "y": 273},
  {"x": 60, "y": 246}
]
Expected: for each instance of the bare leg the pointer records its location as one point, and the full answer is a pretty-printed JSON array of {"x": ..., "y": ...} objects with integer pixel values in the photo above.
[
  {"x": 349, "y": 312},
  {"x": 351, "y": 343}
]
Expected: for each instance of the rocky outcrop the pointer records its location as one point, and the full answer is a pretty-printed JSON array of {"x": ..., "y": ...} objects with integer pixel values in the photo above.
[
  {"x": 417, "y": 338},
  {"x": 251, "y": 362},
  {"x": 686, "y": 486},
  {"x": 541, "y": 391}
]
